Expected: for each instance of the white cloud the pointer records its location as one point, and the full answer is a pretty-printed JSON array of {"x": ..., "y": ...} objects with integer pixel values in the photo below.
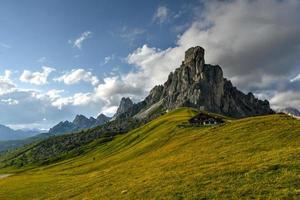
[
  {"x": 106, "y": 94},
  {"x": 6, "y": 85},
  {"x": 76, "y": 76},
  {"x": 7, "y": 75},
  {"x": 79, "y": 41},
  {"x": 115, "y": 87},
  {"x": 78, "y": 99},
  {"x": 34, "y": 106},
  {"x": 37, "y": 78},
  {"x": 286, "y": 99},
  {"x": 296, "y": 78},
  {"x": 161, "y": 14},
  {"x": 109, "y": 111},
  {"x": 107, "y": 59},
  {"x": 54, "y": 94},
  {"x": 10, "y": 101},
  {"x": 153, "y": 64},
  {"x": 50, "y": 105}
]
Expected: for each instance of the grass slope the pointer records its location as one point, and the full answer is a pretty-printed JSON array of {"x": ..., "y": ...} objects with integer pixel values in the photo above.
[{"x": 256, "y": 157}]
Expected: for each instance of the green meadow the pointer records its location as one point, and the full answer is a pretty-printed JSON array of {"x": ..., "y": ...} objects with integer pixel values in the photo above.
[{"x": 250, "y": 158}]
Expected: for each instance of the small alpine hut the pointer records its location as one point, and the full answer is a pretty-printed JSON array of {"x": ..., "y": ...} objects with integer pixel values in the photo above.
[{"x": 205, "y": 119}]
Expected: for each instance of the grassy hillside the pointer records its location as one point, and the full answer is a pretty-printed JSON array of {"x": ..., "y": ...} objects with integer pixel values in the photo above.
[
  {"x": 256, "y": 157},
  {"x": 60, "y": 147}
]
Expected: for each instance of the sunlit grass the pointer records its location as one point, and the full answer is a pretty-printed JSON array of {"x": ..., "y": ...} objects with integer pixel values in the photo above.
[{"x": 256, "y": 157}]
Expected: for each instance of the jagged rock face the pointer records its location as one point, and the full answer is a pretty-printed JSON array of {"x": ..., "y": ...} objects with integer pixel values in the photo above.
[
  {"x": 237, "y": 104},
  {"x": 199, "y": 85},
  {"x": 154, "y": 95},
  {"x": 124, "y": 106},
  {"x": 82, "y": 122},
  {"x": 62, "y": 127}
]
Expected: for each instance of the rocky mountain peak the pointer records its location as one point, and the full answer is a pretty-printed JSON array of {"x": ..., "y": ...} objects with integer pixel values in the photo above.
[
  {"x": 101, "y": 119},
  {"x": 194, "y": 55},
  {"x": 80, "y": 120},
  {"x": 125, "y": 105},
  {"x": 101, "y": 116},
  {"x": 83, "y": 122}
]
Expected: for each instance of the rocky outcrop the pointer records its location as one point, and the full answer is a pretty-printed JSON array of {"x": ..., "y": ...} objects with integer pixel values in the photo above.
[
  {"x": 124, "y": 106},
  {"x": 80, "y": 122},
  {"x": 199, "y": 85},
  {"x": 62, "y": 127},
  {"x": 83, "y": 122}
]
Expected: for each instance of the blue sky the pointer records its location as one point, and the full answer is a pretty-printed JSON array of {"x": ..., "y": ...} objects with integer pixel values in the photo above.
[
  {"x": 43, "y": 29},
  {"x": 60, "y": 58}
]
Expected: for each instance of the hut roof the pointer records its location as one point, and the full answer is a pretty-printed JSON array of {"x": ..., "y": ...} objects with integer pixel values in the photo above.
[{"x": 203, "y": 117}]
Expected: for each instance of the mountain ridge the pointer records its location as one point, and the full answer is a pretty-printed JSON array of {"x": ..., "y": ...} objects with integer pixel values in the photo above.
[
  {"x": 80, "y": 122},
  {"x": 7, "y": 133}
]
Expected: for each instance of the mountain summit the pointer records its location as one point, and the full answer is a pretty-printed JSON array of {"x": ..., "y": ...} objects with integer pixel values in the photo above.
[
  {"x": 199, "y": 85},
  {"x": 124, "y": 106}
]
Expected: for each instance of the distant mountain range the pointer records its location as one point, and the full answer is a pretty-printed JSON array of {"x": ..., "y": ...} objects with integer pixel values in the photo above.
[
  {"x": 10, "y": 139},
  {"x": 7, "y": 133},
  {"x": 80, "y": 122}
]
